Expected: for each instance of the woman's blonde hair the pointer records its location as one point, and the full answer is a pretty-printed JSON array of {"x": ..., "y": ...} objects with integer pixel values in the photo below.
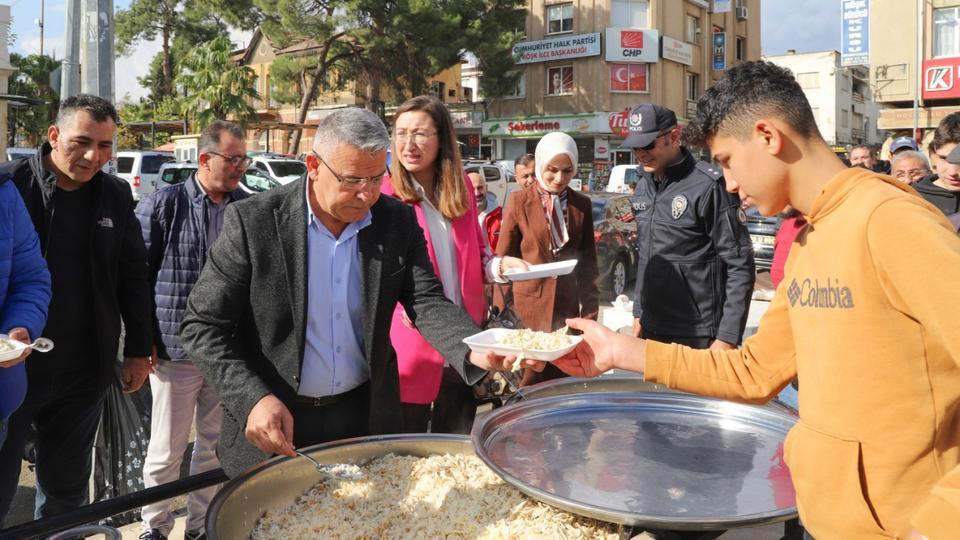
[{"x": 448, "y": 168}]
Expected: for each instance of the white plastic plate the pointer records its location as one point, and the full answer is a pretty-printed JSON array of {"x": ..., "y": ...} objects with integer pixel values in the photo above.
[
  {"x": 17, "y": 350},
  {"x": 537, "y": 271},
  {"x": 489, "y": 340}
]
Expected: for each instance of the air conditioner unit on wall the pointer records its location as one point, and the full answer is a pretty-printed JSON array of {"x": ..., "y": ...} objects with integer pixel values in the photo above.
[{"x": 742, "y": 13}]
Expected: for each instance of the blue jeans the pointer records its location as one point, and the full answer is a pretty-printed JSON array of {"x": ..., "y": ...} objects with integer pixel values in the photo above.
[{"x": 66, "y": 412}]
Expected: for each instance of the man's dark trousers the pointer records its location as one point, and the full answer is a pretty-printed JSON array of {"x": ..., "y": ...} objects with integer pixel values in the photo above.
[{"x": 66, "y": 409}]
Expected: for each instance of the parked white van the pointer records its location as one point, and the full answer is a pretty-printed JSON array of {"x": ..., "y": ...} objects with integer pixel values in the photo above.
[
  {"x": 623, "y": 179},
  {"x": 141, "y": 169},
  {"x": 281, "y": 169}
]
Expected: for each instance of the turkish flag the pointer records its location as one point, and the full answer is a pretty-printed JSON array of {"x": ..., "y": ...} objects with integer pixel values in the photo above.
[
  {"x": 619, "y": 78},
  {"x": 638, "y": 77}
]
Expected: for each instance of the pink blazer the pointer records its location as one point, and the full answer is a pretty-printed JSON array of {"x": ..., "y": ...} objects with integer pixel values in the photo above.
[{"x": 420, "y": 365}]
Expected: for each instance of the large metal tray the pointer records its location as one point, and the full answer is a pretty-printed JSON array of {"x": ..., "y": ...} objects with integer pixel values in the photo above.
[
  {"x": 620, "y": 382},
  {"x": 658, "y": 460},
  {"x": 275, "y": 484},
  {"x": 623, "y": 381}
]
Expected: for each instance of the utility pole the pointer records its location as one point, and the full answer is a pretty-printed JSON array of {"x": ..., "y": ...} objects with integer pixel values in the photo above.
[
  {"x": 918, "y": 76},
  {"x": 70, "y": 79},
  {"x": 42, "y": 2},
  {"x": 96, "y": 48}
]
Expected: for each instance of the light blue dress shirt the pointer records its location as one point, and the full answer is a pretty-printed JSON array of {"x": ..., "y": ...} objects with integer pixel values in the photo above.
[{"x": 333, "y": 357}]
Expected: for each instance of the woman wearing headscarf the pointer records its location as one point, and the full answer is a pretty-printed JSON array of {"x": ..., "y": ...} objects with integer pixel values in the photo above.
[
  {"x": 426, "y": 173},
  {"x": 547, "y": 222}
]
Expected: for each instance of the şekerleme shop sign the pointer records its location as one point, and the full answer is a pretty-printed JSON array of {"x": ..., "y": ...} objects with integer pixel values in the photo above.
[
  {"x": 559, "y": 48},
  {"x": 529, "y": 127}
]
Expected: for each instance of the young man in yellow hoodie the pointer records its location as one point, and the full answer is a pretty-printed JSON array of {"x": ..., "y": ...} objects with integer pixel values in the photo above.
[{"x": 876, "y": 350}]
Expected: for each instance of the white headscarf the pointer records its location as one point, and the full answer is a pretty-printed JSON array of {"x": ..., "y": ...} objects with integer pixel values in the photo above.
[
  {"x": 555, "y": 205},
  {"x": 550, "y": 146}
]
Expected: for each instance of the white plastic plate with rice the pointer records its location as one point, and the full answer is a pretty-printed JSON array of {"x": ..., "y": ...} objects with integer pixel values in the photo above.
[
  {"x": 541, "y": 345},
  {"x": 538, "y": 271},
  {"x": 10, "y": 349}
]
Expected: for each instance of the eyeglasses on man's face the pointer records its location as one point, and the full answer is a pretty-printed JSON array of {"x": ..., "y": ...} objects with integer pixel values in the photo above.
[
  {"x": 912, "y": 173},
  {"x": 417, "y": 137},
  {"x": 234, "y": 161},
  {"x": 352, "y": 182},
  {"x": 653, "y": 143}
]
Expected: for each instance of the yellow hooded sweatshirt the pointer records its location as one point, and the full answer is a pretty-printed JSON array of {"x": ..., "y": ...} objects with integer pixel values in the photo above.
[{"x": 868, "y": 318}]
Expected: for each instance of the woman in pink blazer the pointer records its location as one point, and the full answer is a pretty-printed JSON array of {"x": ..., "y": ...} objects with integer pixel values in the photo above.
[{"x": 426, "y": 173}]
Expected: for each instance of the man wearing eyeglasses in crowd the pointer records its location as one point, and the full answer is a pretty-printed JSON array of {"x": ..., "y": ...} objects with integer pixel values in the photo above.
[
  {"x": 180, "y": 223},
  {"x": 909, "y": 166},
  {"x": 290, "y": 319},
  {"x": 695, "y": 270}
]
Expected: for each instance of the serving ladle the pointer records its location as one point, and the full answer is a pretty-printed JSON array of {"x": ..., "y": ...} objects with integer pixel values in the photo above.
[{"x": 337, "y": 471}]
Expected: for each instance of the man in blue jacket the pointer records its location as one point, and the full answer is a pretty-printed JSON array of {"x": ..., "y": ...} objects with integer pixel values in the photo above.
[
  {"x": 24, "y": 294},
  {"x": 180, "y": 223}
]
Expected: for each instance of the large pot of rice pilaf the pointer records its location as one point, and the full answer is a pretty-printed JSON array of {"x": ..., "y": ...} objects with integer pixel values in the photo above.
[{"x": 414, "y": 485}]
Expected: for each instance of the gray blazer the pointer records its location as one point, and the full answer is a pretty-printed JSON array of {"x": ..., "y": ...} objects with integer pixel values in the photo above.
[{"x": 245, "y": 323}]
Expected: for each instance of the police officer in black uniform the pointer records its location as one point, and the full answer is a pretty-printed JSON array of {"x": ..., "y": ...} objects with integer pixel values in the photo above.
[{"x": 696, "y": 272}]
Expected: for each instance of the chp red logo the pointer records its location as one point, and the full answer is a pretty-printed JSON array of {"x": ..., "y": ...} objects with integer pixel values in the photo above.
[{"x": 631, "y": 39}]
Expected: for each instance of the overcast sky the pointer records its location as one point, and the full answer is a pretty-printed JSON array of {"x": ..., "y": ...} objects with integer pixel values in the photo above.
[{"x": 807, "y": 25}]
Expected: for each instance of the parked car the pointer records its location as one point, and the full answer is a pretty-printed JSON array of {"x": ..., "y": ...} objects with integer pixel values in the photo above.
[
  {"x": 175, "y": 172},
  {"x": 281, "y": 169},
  {"x": 623, "y": 179},
  {"x": 16, "y": 153},
  {"x": 257, "y": 181},
  {"x": 141, "y": 169},
  {"x": 763, "y": 231},
  {"x": 500, "y": 181},
  {"x": 615, "y": 233}
]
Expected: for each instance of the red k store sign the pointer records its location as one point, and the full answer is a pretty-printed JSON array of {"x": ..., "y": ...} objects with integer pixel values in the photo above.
[{"x": 941, "y": 78}]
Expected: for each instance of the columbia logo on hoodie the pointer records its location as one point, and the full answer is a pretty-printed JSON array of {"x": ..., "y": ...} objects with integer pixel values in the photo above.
[{"x": 812, "y": 293}]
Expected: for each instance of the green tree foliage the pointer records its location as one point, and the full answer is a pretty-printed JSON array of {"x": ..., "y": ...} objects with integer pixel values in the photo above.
[
  {"x": 400, "y": 43},
  {"x": 180, "y": 25},
  {"x": 27, "y": 125},
  {"x": 214, "y": 87},
  {"x": 146, "y": 110},
  {"x": 492, "y": 28}
]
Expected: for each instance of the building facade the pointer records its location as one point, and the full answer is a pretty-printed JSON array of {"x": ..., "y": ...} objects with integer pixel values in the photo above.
[
  {"x": 585, "y": 63},
  {"x": 840, "y": 97},
  {"x": 6, "y": 71},
  {"x": 900, "y": 32}
]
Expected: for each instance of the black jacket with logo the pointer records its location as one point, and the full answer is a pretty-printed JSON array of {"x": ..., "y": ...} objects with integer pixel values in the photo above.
[
  {"x": 695, "y": 272},
  {"x": 118, "y": 259}
]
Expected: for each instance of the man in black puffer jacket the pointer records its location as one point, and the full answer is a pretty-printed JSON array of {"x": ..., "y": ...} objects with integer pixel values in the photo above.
[
  {"x": 180, "y": 224},
  {"x": 94, "y": 250}
]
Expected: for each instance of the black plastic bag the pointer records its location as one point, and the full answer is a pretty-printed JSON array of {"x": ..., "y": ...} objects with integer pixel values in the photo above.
[{"x": 121, "y": 448}]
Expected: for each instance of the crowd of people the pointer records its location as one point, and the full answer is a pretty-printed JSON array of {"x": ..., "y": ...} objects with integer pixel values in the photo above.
[{"x": 336, "y": 306}]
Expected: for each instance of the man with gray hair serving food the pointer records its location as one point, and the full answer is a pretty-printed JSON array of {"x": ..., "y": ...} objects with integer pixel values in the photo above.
[{"x": 328, "y": 246}]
